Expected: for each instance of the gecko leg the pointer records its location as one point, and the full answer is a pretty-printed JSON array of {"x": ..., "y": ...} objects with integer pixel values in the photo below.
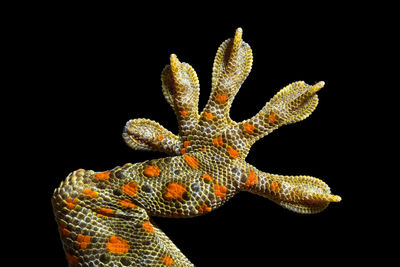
[
  {"x": 232, "y": 65},
  {"x": 302, "y": 194},
  {"x": 293, "y": 103},
  {"x": 148, "y": 135},
  {"x": 181, "y": 89},
  {"x": 99, "y": 228}
]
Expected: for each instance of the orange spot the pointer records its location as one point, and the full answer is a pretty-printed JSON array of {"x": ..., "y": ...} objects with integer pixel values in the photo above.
[
  {"x": 151, "y": 171},
  {"x": 204, "y": 209},
  {"x": 208, "y": 116},
  {"x": 117, "y": 245},
  {"x": 207, "y": 178},
  {"x": 274, "y": 187},
  {"x": 130, "y": 189},
  {"x": 251, "y": 179},
  {"x": 203, "y": 149},
  {"x": 87, "y": 191},
  {"x": 175, "y": 214},
  {"x": 191, "y": 161},
  {"x": 184, "y": 113},
  {"x": 217, "y": 141},
  {"x": 248, "y": 128},
  {"x": 167, "y": 260},
  {"x": 232, "y": 152},
  {"x": 71, "y": 202},
  {"x": 174, "y": 191},
  {"x": 221, "y": 98},
  {"x": 83, "y": 241},
  {"x": 70, "y": 205},
  {"x": 105, "y": 212},
  {"x": 72, "y": 259},
  {"x": 220, "y": 190},
  {"x": 103, "y": 176},
  {"x": 160, "y": 137},
  {"x": 273, "y": 117},
  {"x": 63, "y": 230},
  {"x": 127, "y": 203},
  {"x": 185, "y": 145},
  {"x": 90, "y": 193},
  {"x": 148, "y": 227},
  {"x": 79, "y": 170}
]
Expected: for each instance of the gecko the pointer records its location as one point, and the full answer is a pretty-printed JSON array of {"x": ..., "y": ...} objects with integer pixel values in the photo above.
[{"x": 104, "y": 217}]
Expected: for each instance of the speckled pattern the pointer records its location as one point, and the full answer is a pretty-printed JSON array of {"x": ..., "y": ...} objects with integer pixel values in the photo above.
[{"x": 104, "y": 217}]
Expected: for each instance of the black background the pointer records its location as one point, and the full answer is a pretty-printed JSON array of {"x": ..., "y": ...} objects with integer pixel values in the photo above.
[{"x": 93, "y": 70}]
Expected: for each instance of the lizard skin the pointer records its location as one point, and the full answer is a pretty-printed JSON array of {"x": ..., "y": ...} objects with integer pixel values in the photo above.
[{"x": 104, "y": 217}]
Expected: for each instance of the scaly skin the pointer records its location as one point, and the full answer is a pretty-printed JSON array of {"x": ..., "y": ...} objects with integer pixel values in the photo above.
[{"x": 104, "y": 217}]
